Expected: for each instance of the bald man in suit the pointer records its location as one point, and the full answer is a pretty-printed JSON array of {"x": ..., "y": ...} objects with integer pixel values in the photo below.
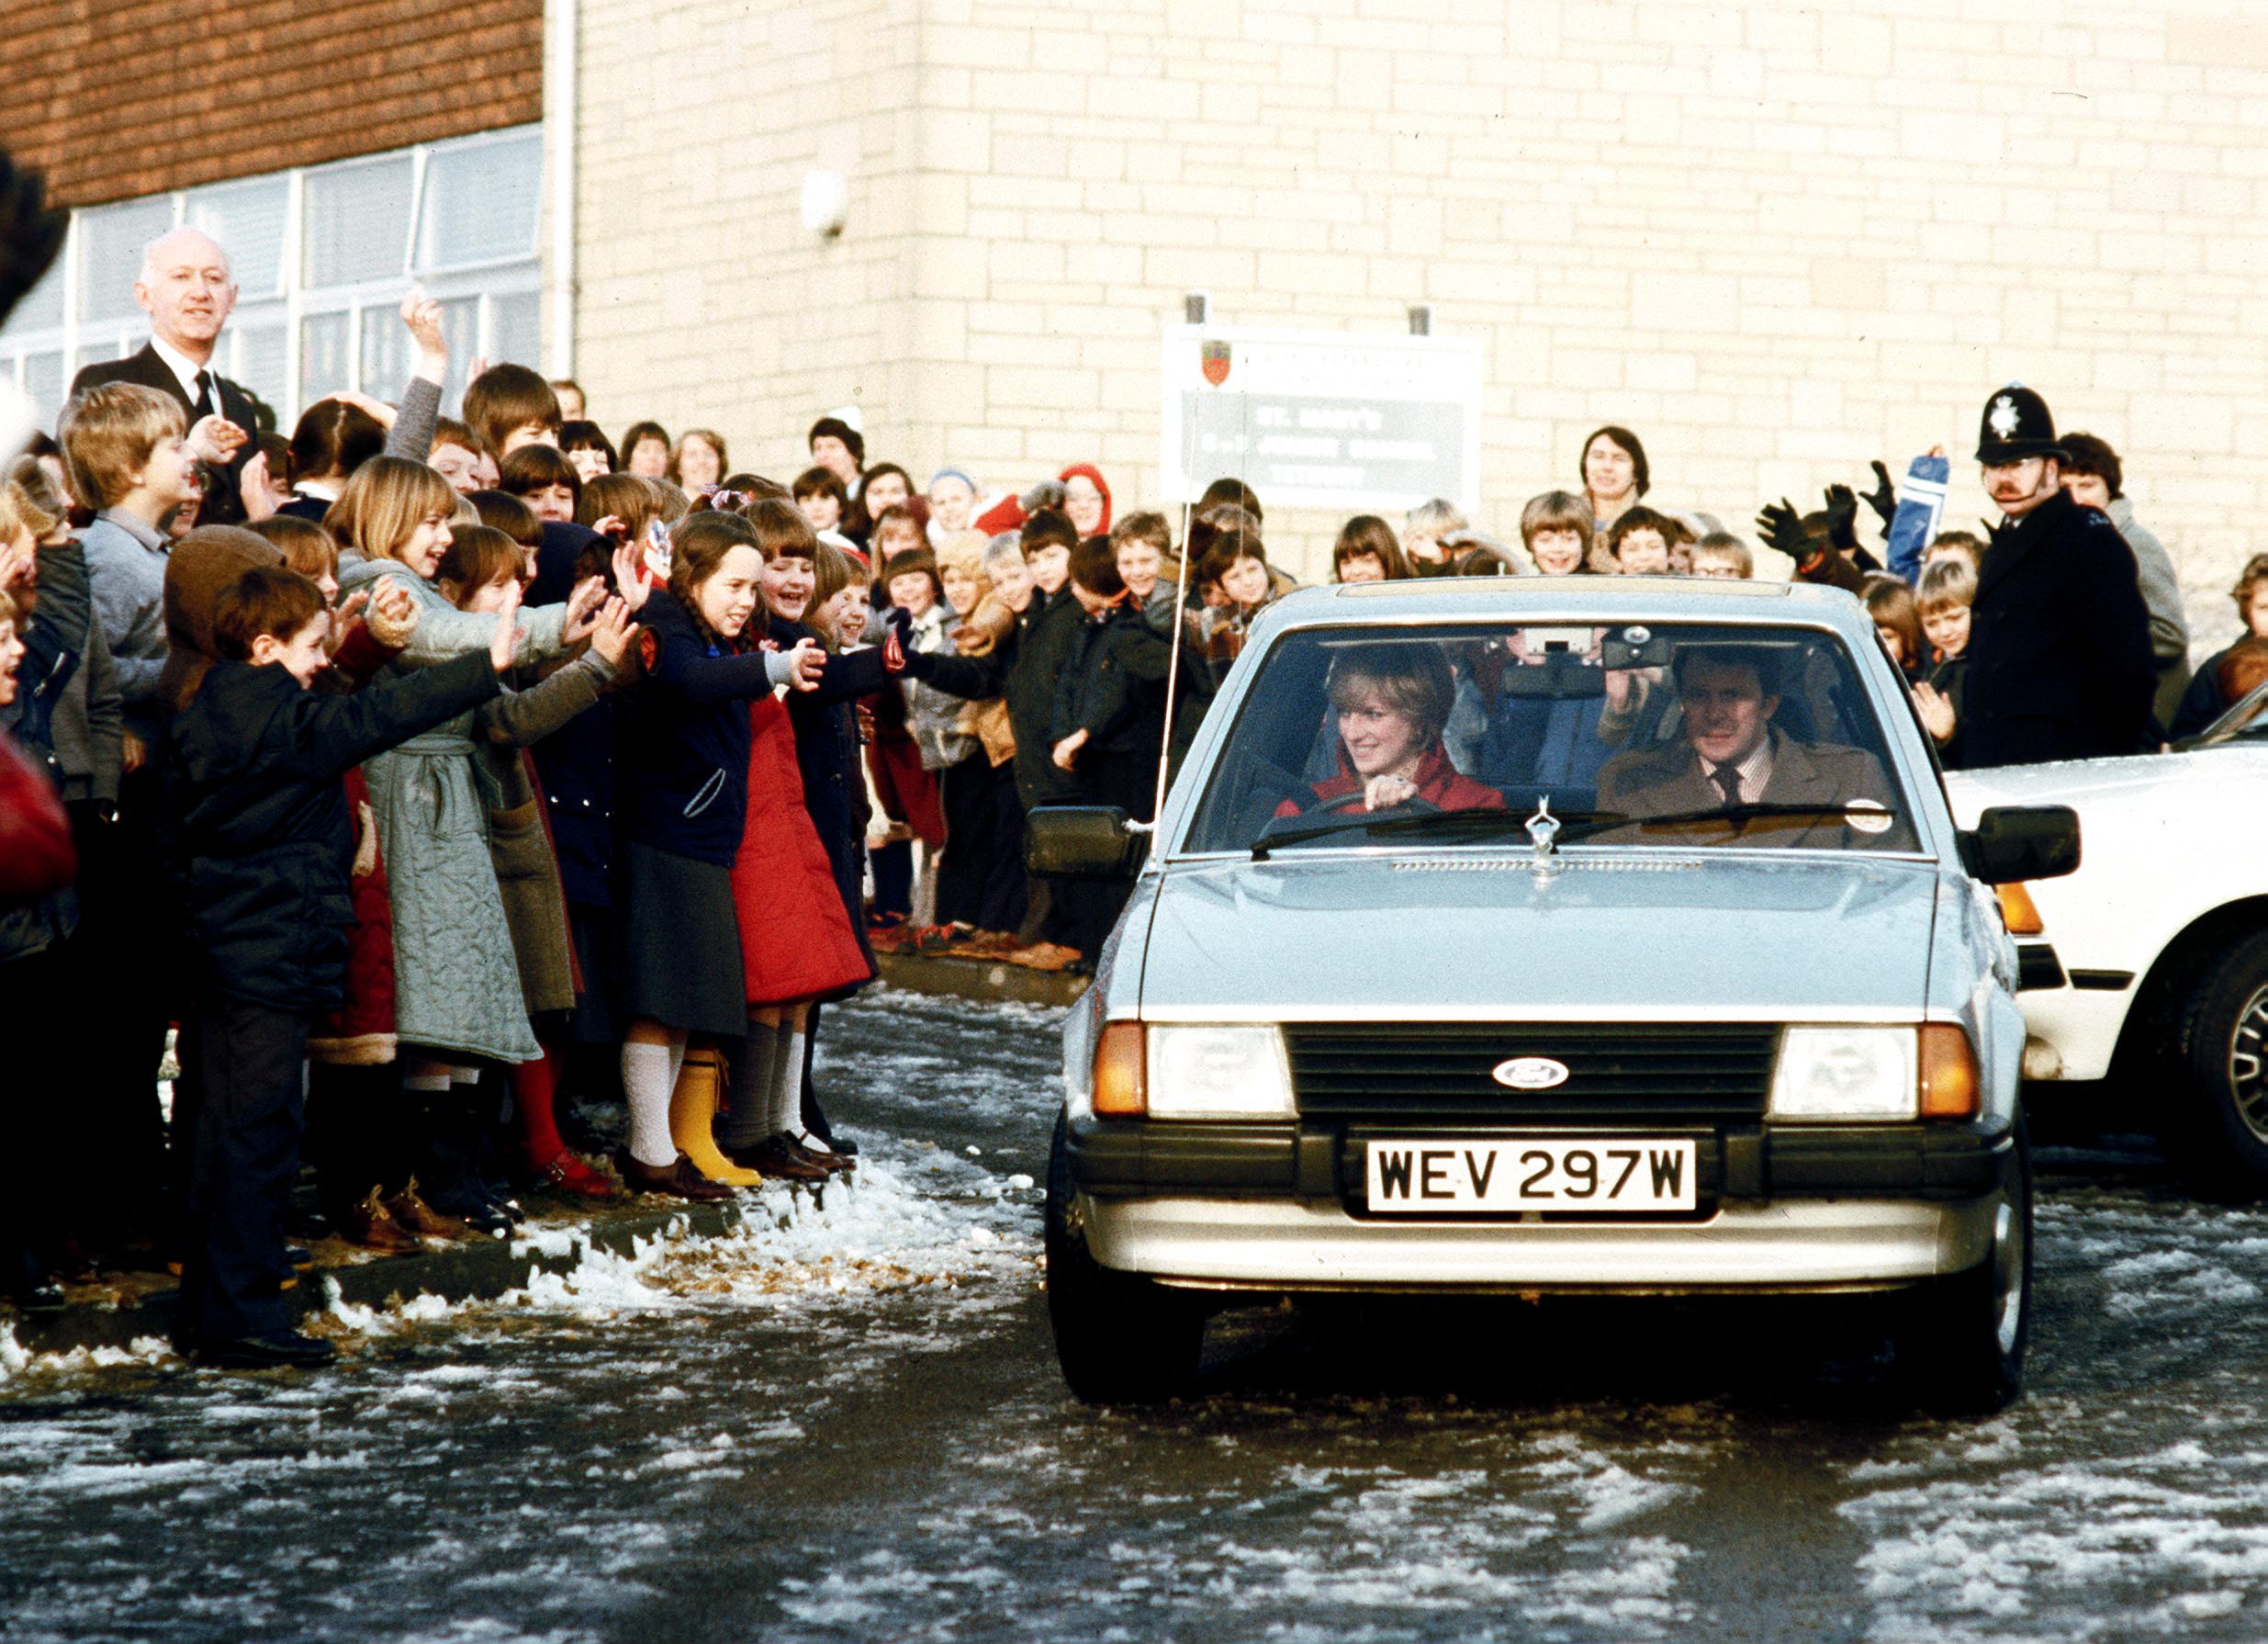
[
  {"x": 188, "y": 290},
  {"x": 1731, "y": 754}
]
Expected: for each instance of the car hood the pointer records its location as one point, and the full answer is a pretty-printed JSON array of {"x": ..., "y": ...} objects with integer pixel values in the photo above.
[
  {"x": 2067, "y": 781},
  {"x": 2182, "y": 789},
  {"x": 1732, "y": 935}
]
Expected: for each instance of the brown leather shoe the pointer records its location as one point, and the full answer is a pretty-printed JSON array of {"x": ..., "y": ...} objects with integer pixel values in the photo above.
[
  {"x": 422, "y": 1219},
  {"x": 777, "y": 1155},
  {"x": 679, "y": 1178},
  {"x": 372, "y": 1226},
  {"x": 839, "y": 1163}
]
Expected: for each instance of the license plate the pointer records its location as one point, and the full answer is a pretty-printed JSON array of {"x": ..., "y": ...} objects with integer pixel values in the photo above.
[{"x": 1428, "y": 1175}]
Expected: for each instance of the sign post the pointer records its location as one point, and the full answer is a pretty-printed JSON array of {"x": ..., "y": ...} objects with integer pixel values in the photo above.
[{"x": 1322, "y": 419}]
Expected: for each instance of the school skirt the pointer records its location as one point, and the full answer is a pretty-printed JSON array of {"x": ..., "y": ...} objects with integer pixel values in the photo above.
[{"x": 681, "y": 943}]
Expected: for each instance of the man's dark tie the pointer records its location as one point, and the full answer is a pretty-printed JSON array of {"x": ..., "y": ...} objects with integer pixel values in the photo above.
[
  {"x": 204, "y": 406},
  {"x": 1728, "y": 783}
]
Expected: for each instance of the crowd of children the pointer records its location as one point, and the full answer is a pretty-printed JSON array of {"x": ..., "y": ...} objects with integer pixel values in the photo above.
[{"x": 498, "y": 768}]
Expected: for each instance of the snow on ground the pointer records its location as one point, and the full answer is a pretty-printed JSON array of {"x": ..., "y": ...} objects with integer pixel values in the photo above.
[
  {"x": 2079, "y": 1516},
  {"x": 842, "y": 1422}
]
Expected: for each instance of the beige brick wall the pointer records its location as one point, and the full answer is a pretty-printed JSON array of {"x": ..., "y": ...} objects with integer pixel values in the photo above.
[{"x": 1777, "y": 240}]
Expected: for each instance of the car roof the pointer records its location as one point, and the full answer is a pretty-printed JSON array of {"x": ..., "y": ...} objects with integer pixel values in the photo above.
[{"x": 1575, "y": 599}]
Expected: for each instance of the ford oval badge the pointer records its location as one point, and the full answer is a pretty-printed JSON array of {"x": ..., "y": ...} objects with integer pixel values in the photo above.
[{"x": 1529, "y": 1073}]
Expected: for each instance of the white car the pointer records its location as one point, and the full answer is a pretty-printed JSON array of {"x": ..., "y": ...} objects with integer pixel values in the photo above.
[{"x": 2150, "y": 966}]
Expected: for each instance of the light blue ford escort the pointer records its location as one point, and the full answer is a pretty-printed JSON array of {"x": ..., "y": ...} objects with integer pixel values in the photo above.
[{"x": 1539, "y": 934}]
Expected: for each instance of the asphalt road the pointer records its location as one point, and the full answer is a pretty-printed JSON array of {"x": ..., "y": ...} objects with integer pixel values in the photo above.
[{"x": 849, "y": 1426}]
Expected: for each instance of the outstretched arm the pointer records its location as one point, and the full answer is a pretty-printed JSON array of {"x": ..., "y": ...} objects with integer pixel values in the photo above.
[
  {"x": 519, "y": 718},
  {"x": 336, "y": 733}
]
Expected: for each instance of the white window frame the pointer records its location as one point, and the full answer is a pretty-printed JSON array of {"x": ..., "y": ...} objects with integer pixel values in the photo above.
[{"x": 488, "y": 281}]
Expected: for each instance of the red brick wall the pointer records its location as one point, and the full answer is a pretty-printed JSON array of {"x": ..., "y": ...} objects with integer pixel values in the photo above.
[{"x": 116, "y": 98}]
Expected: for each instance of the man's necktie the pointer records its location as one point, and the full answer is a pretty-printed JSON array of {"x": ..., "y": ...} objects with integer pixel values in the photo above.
[
  {"x": 204, "y": 406},
  {"x": 1728, "y": 783}
]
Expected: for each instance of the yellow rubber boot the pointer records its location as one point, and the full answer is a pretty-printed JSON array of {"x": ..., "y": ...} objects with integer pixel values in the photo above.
[{"x": 692, "y": 1118}]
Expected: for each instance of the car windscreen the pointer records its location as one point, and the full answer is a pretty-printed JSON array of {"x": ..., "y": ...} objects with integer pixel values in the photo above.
[{"x": 1677, "y": 735}]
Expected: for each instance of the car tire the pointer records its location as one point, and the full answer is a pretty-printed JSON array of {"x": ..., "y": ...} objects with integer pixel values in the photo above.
[
  {"x": 1121, "y": 1338},
  {"x": 2216, "y": 1129},
  {"x": 1961, "y": 1338}
]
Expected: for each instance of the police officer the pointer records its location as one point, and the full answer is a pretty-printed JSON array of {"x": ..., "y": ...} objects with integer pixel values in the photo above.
[{"x": 2059, "y": 658}]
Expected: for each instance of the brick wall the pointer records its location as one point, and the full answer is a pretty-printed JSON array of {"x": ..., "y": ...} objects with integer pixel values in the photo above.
[
  {"x": 116, "y": 98},
  {"x": 700, "y": 299},
  {"x": 1776, "y": 239}
]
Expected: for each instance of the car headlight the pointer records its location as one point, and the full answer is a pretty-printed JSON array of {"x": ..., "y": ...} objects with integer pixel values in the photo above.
[
  {"x": 1846, "y": 1072},
  {"x": 1217, "y": 1073}
]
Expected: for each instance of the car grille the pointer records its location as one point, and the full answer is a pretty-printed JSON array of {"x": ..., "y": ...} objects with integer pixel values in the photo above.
[{"x": 1618, "y": 1073}]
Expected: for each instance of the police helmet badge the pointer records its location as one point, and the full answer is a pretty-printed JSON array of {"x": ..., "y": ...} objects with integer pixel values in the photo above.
[{"x": 2003, "y": 417}]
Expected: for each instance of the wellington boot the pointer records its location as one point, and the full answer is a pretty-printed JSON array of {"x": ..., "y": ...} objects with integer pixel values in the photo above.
[{"x": 693, "y": 1119}]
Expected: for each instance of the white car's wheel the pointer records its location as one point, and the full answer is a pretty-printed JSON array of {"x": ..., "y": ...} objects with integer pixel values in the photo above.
[
  {"x": 1121, "y": 1338},
  {"x": 1961, "y": 1339},
  {"x": 2217, "y": 1128}
]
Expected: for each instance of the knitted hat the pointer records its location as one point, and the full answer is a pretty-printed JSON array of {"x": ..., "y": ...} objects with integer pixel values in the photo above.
[
  {"x": 202, "y": 566},
  {"x": 964, "y": 552},
  {"x": 1088, "y": 471}
]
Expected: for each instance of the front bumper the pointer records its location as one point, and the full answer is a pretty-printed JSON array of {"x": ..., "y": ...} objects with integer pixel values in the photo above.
[
  {"x": 1299, "y": 1244},
  {"x": 1750, "y": 1162},
  {"x": 1278, "y": 1207}
]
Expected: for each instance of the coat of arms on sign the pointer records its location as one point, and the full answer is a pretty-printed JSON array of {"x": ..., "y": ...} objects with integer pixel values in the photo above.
[{"x": 1214, "y": 357}]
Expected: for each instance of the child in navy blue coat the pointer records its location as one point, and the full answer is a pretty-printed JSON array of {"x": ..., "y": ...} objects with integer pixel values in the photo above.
[{"x": 262, "y": 843}]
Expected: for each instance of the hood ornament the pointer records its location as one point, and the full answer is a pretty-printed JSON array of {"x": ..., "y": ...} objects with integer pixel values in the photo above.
[{"x": 1542, "y": 829}]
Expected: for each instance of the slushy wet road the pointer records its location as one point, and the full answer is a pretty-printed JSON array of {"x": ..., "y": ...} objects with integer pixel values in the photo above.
[{"x": 847, "y": 1424}]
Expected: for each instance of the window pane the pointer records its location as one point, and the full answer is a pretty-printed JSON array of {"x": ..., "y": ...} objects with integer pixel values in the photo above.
[
  {"x": 260, "y": 366},
  {"x": 98, "y": 346},
  {"x": 516, "y": 329},
  {"x": 42, "y": 306},
  {"x": 43, "y": 382},
  {"x": 481, "y": 202},
  {"x": 323, "y": 363},
  {"x": 248, "y": 219},
  {"x": 460, "y": 322},
  {"x": 111, "y": 242},
  {"x": 357, "y": 221},
  {"x": 386, "y": 351}
]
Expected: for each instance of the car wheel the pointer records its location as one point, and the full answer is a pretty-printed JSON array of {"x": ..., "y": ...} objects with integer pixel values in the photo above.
[
  {"x": 1961, "y": 1339},
  {"x": 2216, "y": 1129},
  {"x": 1121, "y": 1338}
]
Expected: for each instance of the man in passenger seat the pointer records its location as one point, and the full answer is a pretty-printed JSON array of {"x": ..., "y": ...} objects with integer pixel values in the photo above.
[{"x": 1731, "y": 754}]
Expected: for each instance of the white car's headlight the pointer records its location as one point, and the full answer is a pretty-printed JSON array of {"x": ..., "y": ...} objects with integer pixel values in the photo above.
[
  {"x": 1217, "y": 1073},
  {"x": 1846, "y": 1072}
]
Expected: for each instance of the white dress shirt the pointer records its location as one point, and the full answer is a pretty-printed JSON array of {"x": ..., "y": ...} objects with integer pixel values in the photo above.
[
  {"x": 184, "y": 370},
  {"x": 1753, "y": 772}
]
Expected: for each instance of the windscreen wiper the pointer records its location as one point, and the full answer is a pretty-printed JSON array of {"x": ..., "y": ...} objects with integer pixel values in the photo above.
[
  {"x": 1741, "y": 814},
  {"x": 1482, "y": 823}
]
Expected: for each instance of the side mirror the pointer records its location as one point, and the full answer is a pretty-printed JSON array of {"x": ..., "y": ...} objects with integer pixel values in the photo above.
[
  {"x": 1081, "y": 841},
  {"x": 2014, "y": 842}
]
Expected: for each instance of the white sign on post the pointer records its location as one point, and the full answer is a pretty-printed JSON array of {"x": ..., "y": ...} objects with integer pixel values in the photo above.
[{"x": 1322, "y": 419}]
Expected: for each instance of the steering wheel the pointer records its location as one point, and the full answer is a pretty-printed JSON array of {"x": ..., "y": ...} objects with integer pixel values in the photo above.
[{"x": 1344, "y": 801}]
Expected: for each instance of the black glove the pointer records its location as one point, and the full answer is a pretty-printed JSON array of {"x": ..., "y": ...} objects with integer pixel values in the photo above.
[
  {"x": 1842, "y": 516},
  {"x": 1780, "y": 526},
  {"x": 1884, "y": 498},
  {"x": 31, "y": 232},
  {"x": 901, "y": 623}
]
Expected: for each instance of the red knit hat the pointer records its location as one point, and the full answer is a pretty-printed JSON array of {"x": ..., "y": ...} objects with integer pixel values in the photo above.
[{"x": 1087, "y": 470}]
